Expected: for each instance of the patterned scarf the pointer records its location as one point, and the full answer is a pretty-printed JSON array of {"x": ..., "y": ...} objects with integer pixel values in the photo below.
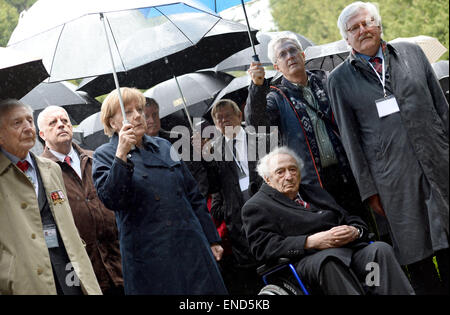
[{"x": 298, "y": 104}]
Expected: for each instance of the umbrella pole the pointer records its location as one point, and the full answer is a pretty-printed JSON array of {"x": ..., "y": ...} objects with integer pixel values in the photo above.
[
  {"x": 116, "y": 80},
  {"x": 255, "y": 56},
  {"x": 166, "y": 60},
  {"x": 184, "y": 103}
]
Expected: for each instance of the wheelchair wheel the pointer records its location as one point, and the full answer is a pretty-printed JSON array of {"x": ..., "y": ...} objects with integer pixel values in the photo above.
[
  {"x": 272, "y": 289},
  {"x": 287, "y": 285}
]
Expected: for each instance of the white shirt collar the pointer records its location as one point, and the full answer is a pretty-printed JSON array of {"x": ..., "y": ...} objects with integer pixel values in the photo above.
[
  {"x": 14, "y": 159},
  {"x": 61, "y": 156}
]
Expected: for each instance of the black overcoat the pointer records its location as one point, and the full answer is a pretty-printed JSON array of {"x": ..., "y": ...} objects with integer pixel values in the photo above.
[{"x": 276, "y": 226}]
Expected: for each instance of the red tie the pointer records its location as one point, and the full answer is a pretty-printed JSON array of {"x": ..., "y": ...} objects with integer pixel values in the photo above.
[
  {"x": 23, "y": 165},
  {"x": 377, "y": 63},
  {"x": 302, "y": 203},
  {"x": 67, "y": 159}
]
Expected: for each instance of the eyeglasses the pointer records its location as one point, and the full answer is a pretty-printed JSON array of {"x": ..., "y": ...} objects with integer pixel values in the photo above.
[
  {"x": 292, "y": 51},
  {"x": 368, "y": 22}
]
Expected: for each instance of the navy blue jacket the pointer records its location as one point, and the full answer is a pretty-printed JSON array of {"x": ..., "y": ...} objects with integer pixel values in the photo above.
[
  {"x": 165, "y": 229},
  {"x": 267, "y": 107}
]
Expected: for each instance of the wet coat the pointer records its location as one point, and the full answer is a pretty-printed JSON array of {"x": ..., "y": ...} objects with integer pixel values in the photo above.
[
  {"x": 25, "y": 266},
  {"x": 404, "y": 156},
  {"x": 165, "y": 229}
]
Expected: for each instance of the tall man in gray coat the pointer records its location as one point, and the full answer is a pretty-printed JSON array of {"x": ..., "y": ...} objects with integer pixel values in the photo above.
[{"x": 393, "y": 118}]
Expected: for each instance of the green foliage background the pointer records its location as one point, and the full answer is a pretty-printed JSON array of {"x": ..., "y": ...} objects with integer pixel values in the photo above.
[{"x": 315, "y": 19}]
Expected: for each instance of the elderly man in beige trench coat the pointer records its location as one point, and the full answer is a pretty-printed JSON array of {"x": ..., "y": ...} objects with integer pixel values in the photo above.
[{"x": 41, "y": 251}]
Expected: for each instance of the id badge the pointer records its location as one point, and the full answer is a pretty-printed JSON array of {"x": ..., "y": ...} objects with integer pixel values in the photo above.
[
  {"x": 244, "y": 182},
  {"x": 51, "y": 236},
  {"x": 387, "y": 106}
]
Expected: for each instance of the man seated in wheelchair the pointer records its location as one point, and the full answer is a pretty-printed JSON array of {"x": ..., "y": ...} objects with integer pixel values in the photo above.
[{"x": 305, "y": 224}]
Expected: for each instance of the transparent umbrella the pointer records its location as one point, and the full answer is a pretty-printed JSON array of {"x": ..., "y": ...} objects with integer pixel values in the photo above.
[
  {"x": 220, "y": 5},
  {"x": 242, "y": 59},
  {"x": 431, "y": 46},
  {"x": 327, "y": 56},
  {"x": 85, "y": 38}
]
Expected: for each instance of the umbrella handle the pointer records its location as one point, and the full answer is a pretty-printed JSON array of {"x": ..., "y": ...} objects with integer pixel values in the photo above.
[{"x": 255, "y": 56}]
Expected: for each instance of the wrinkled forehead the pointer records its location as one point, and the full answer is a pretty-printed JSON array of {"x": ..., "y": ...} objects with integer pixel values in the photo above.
[
  {"x": 285, "y": 44},
  {"x": 16, "y": 113},
  {"x": 55, "y": 114},
  {"x": 281, "y": 161}
]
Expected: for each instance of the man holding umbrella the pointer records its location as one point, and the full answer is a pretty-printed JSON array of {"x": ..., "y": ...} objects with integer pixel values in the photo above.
[{"x": 300, "y": 108}]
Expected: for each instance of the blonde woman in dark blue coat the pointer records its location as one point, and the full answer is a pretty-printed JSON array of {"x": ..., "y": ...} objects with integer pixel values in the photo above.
[{"x": 168, "y": 242}]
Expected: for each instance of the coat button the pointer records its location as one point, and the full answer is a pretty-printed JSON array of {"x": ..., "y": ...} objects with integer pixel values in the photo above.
[
  {"x": 23, "y": 205},
  {"x": 157, "y": 197},
  {"x": 39, "y": 271},
  {"x": 33, "y": 236}
]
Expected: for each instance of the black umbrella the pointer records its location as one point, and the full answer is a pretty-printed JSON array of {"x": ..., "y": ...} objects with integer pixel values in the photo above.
[
  {"x": 441, "y": 70},
  {"x": 241, "y": 60},
  {"x": 199, "y": 89},
  {"x": 19, "y": 73},
  {"x": 237, "y": 90},
  {"x": 326, "y": 57},
  {"x": 78, "y": 104},
  {"x": 224, "y": 39},
  {"x": 89, "y": 133}
]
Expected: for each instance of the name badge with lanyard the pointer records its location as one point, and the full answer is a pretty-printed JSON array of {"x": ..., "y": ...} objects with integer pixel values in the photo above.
[
  {"x": 244, "y": 180},
  {"x": 387, "y": 105}
]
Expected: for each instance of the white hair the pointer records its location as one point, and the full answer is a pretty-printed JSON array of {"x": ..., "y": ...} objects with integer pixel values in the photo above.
[
  {"x": 279, "y": 39},
  {"x": 263, "y": 164},
  {"x": 47, "y": 110},
  {"x": 352, "y": 9}
]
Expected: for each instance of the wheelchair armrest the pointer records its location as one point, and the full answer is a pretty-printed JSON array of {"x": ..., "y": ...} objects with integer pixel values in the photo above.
[{"x": 272, "y": 265}]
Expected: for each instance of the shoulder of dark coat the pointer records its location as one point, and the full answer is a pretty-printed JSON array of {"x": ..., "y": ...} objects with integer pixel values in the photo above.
[
  {"x": 405, "y": 48},
  {"x": 340, "y": 69}
]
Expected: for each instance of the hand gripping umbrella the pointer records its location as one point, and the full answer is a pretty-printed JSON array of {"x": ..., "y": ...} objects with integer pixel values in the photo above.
[{"x": 77, "y": 38}]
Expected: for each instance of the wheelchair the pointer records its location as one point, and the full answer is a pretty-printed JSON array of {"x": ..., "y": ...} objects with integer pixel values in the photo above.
[{"x": 281, "y": 278}]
